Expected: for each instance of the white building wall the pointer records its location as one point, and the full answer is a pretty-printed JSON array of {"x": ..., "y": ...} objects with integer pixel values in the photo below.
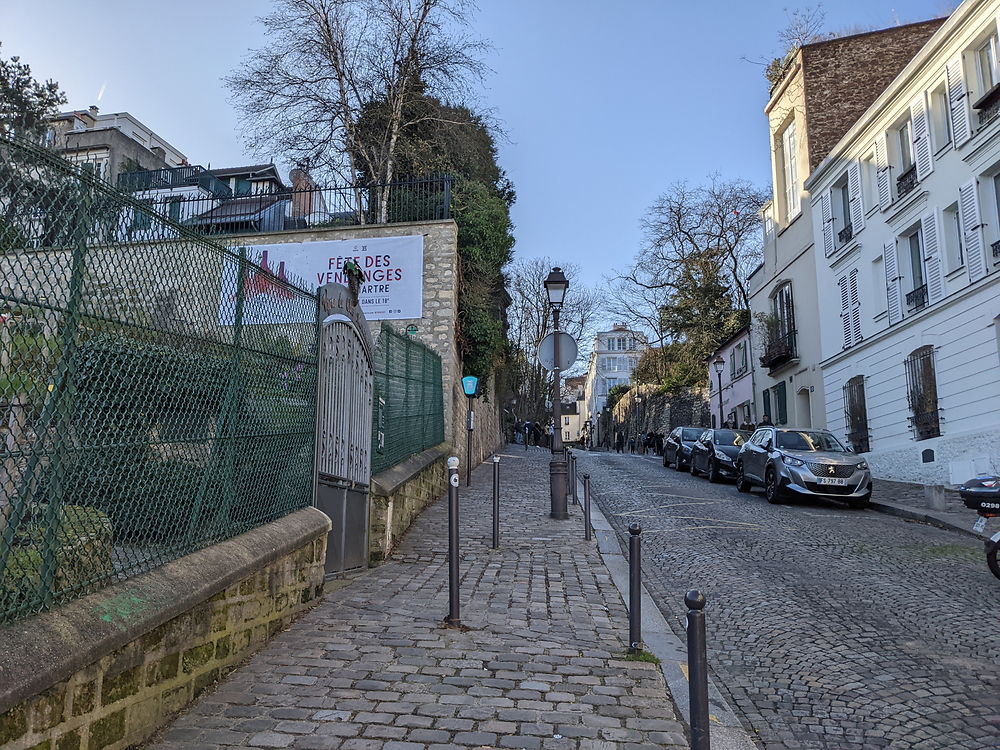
[
  {"x": 961, "y": 321},
  {"x": 600, "y": 377}
]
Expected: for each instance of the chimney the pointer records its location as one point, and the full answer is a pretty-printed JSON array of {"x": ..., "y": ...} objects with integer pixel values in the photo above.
[{"x": 94, "y": 110}]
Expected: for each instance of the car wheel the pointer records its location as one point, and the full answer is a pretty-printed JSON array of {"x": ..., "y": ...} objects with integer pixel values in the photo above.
[
  {"x": 665, "y": 461},
  {"x": 771, "y": 489},
  {"x": 991, "y": 559},
  {"x": 742, "y": 484},
  {"x": 859, "y": 503},
  {"x": 679, "y": 464},
  {"x": 691, "y": 467},
  {"x": 713, "y": 471}
]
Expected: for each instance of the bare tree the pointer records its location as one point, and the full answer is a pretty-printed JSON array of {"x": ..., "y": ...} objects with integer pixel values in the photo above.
[
  {"x": 530, "y": 320},
  {"x": 327, "y": 62},
  {"x": 718, "y": 220}
]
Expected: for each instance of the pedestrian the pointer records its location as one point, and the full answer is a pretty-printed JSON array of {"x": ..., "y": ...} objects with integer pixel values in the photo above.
[
  {"x": 659, "y": 443},
  {"x": 747, "y": 426},
  {"x": 765, "y": 421},
  {"x": 548, "y": 435},
  {"x": 631, "y": 445},
  {"x": 619, "y": 442},
  {"x": 536, "y": 433}
]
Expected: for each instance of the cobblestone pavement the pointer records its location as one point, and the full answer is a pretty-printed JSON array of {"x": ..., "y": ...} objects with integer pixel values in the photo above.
[
  {"x": 827, "y": 627},
  {"x": 372, "y": 668}
]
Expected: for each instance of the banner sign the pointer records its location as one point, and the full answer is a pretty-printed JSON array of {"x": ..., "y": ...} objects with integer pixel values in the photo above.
[{"x": 393, "y": 269}]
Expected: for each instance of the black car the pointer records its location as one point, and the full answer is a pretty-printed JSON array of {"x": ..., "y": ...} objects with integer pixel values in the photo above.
[
  {"x": 714, "y": 453},
  {"x": 677, "y": 446}
]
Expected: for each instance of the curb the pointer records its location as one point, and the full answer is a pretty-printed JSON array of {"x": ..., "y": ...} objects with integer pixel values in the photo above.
[
  {"x": 911, "y": 514},
  {"x": 727, "y": 733}
]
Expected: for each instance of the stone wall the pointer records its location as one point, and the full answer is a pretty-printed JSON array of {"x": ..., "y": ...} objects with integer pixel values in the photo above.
[
  {"x": 841, "y": 81},
  {"x": 106, "y": 670},
  {"x": 659, "y": 412},
  {"x": 399, "y": 494}
]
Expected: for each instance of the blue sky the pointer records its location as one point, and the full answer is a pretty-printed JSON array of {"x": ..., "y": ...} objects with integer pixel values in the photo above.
[{"x": 605, "y": 104}]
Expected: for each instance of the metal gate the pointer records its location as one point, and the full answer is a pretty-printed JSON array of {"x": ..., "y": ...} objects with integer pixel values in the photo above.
[{"x": 344, "y": 427}]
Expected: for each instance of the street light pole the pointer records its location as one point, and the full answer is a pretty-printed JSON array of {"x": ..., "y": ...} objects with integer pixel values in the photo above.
[
  {"x": 719, "y": 363},
  {"x": 556, "y": 285}
]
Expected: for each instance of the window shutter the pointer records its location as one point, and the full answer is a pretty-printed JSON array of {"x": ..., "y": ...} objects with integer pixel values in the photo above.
[
  {"x": 845, "y": 311},
  {"x": 892, "y": 282},
  {"x": 882, "y": 173},
  {"x": 781, "y": 403},
  {"x": 958, "y": 107},
  {"x": 767, "y": 403},
  {"x": 931, "y": 229},
  {"x": 972, "y": 229},
  {"x": 855, "y": 197},
  {"x": 921, "y": 135},
  {"x": 855, "y": 306},
  {"x": 826, "y": 214}
]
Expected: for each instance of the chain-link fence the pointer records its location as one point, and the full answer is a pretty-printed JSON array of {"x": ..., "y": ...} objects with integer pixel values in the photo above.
[
  {"x": 409, "y": 405},
  {"x": 157, "y": 390}
]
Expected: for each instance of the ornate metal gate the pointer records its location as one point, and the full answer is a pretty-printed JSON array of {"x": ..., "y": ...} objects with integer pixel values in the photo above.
[{"x": 344, "y": 427}]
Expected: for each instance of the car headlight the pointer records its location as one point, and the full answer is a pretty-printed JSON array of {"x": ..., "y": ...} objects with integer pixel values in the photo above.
[
  {"x": 722, "y": 456},
  {"x": 863, "y": 465},
  {"x": 792, "y": 461}
]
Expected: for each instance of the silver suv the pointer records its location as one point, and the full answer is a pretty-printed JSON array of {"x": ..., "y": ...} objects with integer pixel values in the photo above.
[{"x": 788, "y": 461}]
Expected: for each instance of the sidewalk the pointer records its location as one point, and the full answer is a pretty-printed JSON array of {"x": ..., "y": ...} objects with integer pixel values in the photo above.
[{"x": 371, "y": 667}]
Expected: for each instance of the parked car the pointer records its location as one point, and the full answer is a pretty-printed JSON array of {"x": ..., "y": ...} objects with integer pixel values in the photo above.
[
  {"x": 677, "y": 446},
  {"x": 785, "y": 461},
  {"x": 714, "y": 453}
]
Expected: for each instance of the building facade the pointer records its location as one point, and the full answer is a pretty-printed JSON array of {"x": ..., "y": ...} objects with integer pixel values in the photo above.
[
  {"x": 906, "y": 220},
  {"x": 734, "y": 400},
  {"x": 613, "y": 359},
  {"x": 826, "y": 86}
]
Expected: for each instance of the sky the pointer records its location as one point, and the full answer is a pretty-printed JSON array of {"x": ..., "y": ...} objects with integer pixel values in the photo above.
[{"x": 604, "y": 104}]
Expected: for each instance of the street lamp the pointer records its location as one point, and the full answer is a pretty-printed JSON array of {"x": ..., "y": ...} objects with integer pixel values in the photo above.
[
  {"x": 719, "y": 363},
  {"x": 556, "y": 285},
  {"x": 470, "y": 386},
  {"x": 638, "y": 431}
]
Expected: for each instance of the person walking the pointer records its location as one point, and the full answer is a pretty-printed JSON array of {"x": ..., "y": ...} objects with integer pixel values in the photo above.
[
  {"x": 765, "y": 421},
  {"x": 619, "y": 442}
]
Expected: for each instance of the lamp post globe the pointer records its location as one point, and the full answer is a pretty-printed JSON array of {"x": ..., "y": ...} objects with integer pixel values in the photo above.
[{"x": 556, "y": 286}]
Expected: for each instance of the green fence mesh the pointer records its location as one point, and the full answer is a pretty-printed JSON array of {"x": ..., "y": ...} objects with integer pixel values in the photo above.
[
  {"x": 409, "y": 409},
  {"x": 157, "y": 390}
]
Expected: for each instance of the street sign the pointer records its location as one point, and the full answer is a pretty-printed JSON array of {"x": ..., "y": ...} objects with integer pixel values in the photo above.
[{"x": 567, "y": 351}]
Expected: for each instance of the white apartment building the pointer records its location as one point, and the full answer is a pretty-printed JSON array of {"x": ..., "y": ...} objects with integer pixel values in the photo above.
[
  {"x": 906, "y": 218},
  {"x": 826, "y": 86},
  {"x": 613, "y": 359}
]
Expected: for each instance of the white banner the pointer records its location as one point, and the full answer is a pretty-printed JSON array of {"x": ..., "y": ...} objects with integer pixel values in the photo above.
[{"x": 393, "y": 269}]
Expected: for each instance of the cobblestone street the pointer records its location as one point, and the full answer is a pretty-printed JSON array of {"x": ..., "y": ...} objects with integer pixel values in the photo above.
[
  {"x": 372, "y": 667},
  {"x": 827, "y": 628}
]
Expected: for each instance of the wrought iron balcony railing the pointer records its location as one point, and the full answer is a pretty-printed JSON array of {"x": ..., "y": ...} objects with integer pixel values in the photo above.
[
  {"x": 779, "y": 349},
  {"x": 845, "y": 234},
  {"x": 996, "y": 249},
  {"x": 906, "y": 181},
  {"x": 917, "y": 299},
  {"x": 174, "y": 177}
]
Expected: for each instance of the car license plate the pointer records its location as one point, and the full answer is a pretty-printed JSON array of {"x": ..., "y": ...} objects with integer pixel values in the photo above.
[
  {"x": 832, "y": 480},
  {"x": 979, "y": 526}
]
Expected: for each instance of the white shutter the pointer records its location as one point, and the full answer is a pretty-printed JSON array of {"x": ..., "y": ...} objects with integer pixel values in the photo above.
[
  {"x": 855, "y": 306},
  {"x": 826, "y": 216},
  {"x": 931, "y": 228},
  {"x": 845, "y": 311},
  {"x": 882, "y": 174},
  {"x": 855, "y": 199},
  {"x": 958, "y": 106},
  {"x": 921, "y": 134},
  {"x": 972, "y": 229},
  {"x": 892, "y": 291}
]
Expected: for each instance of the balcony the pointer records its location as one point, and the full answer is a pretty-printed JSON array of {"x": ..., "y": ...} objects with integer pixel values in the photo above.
[
  {"x": 996, "y": 249},
  {"x": 917, "y": 299},
  {"x": 988, "y": 107},
  {"x": 171, "y": 178},
  {"x": 779, "y": 349},
  {"x": 906, "y": 181},
  {"x": 845, "y": 234}
]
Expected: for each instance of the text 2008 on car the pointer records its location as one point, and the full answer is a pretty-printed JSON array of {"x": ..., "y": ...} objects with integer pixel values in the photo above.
[{"x": 786, "y": 461}]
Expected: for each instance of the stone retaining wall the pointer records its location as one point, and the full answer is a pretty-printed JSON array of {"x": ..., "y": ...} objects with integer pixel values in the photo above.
[
  {"x": 399, "y": 494},
  {"x": 106, "y": 670}
]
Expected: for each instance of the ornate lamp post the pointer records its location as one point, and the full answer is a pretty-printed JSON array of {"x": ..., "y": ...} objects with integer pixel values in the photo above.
[
  {"x": 556, "y": 285},
  {"x": 719, "y": 363}
]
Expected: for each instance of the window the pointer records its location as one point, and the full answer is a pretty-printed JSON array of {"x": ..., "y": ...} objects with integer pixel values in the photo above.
[
  {"x": 952, "y": 237},
  {"x": 174, "y": 209},
  {"x": 986, "y": 62},
  {"x": 566, "y": 422},
  {"x": 732, "y": 363},
  {"x": 916, "y": 298},
  {"x": 940, "y": 121},
  {"x": 841, "y": 205},
  {"x": 242, "y": 187},
  {"x": 856, "y": 414},
  {"x": 143, "y": 218},
  {"x": 789, "y": 170},
  {"x": 921, "y": 393},
  {"x": 907, "y": 179},
  {"x": 871, "y": 179},
  {"x": 995, "y": 247}
]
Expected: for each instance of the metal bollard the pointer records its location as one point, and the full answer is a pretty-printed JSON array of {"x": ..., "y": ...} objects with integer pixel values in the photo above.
[
  {"x": 454, "y": 617},
  {"x": 576, "y": 496},
  {"x": 496, "y": 502},
  {"x": 586, "y": 507},
  {"x": 634, "y": 590},
  {"x": 697, "y": 670}
]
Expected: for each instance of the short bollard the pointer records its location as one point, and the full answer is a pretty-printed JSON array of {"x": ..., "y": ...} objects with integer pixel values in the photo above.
[
  {"x": 586, "y": 507},
  {"x": 576, "y": 497},
  {"x": 634, "y": 590},
  {"x": 454, "y": 616},
  {"x": 496, "y": 502},
  {"x": 697, "y": 670}
]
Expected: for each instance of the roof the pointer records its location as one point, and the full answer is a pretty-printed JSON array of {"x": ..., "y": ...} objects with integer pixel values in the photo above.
[
  {"x": 253, "y": 169},
  {"x": 236, "y": 209}
]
